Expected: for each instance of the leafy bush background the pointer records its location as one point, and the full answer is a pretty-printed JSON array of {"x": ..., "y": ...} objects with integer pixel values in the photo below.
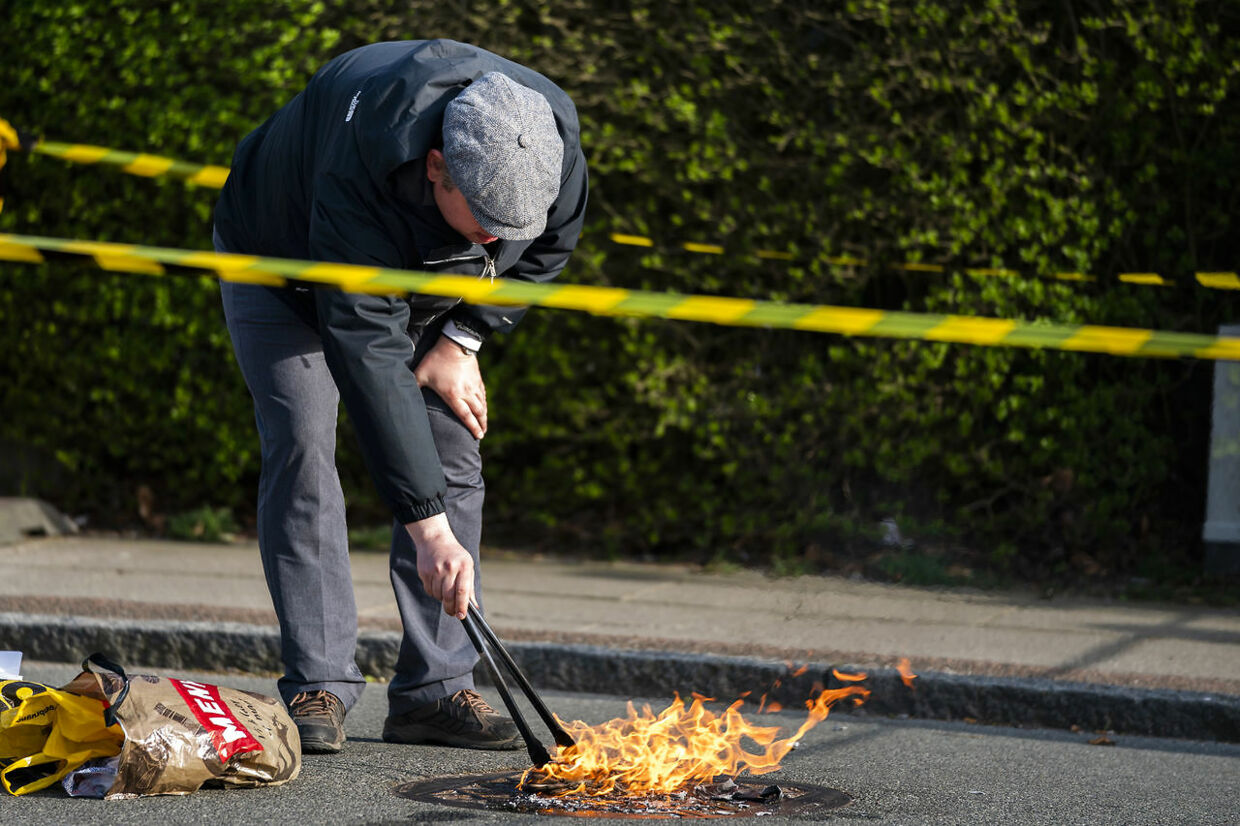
[{"x": 1046, "y": 137}]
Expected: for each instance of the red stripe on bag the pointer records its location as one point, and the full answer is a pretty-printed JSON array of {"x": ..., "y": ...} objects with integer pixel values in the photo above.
[{"x": 227, "y": 733}]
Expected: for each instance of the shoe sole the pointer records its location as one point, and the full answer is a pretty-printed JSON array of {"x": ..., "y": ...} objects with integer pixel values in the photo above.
[
  {"x": 424, "y": 735},
  {"x": 314, "y": 742},
  {"x": 320, "y": 747}
]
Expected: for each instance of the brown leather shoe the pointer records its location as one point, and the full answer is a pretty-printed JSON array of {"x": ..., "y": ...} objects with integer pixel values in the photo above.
[
  {"x": 463, "y": 720},
  {"x": 319, "y": 716}
]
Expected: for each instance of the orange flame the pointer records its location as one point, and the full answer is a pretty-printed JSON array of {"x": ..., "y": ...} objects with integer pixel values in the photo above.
[
  {"x": 680, "y": 747},
  {"x": 906, "y": 672},
  {"x": 847, "y": 678}
]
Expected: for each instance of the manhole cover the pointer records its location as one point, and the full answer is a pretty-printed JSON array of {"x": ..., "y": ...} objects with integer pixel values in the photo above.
[{"x": 745, "y": 798}]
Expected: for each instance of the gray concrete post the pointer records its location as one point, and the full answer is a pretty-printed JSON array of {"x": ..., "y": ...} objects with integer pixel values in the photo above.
[{"x": 1221, "y": 532}]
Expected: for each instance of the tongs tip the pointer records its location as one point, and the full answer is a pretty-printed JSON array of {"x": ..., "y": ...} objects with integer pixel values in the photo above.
[{"x": 477, "y": 629}]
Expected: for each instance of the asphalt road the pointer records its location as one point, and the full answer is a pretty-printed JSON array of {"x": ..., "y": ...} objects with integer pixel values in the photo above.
[{"x": 896, "y": 771}]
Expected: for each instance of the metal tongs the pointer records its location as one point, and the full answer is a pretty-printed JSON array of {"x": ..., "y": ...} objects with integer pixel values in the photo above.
[{"x": 538, "y": 753}]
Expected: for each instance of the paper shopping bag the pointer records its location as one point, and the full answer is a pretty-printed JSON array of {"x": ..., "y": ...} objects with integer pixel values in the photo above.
[{"x": 180, "y": 733}]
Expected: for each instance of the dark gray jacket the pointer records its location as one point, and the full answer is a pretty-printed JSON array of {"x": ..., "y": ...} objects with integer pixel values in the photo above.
[{"x": 338, "y": 174}]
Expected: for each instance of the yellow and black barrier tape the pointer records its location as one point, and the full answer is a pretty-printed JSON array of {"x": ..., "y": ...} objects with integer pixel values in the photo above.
[
  {"x": 135, "y": 163},
  {"x": 1210, "y": 280},
  {"x": 138, "y": 163},
  {"x": 615, "y": 301}
]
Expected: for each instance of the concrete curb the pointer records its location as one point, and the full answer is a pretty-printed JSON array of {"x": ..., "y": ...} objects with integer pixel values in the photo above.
[{"x": 1015, "y": 701}]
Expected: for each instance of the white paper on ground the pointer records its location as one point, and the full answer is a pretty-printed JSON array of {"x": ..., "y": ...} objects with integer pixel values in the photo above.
[
  {"x": 93, "y": 778},
  {"x": 10, "y": 665}
]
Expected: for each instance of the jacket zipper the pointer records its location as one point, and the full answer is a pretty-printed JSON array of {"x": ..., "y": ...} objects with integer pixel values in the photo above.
[{"x": 488, "y": 263}]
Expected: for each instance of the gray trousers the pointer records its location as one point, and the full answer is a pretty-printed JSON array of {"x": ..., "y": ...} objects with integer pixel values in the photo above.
[{"x": 301, "y": 518}]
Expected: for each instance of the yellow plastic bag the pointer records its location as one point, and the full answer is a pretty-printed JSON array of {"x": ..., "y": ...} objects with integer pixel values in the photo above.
[
  {"x": 46, "y": 733},
  {"x": 28, "y": 740}
]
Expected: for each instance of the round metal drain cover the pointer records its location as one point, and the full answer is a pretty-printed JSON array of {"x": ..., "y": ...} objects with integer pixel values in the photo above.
[{"x": 499, "y": 792}]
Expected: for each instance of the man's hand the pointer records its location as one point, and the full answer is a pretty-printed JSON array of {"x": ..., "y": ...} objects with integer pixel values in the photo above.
[
  {"x": 453, "y": 374},
  {"x": 444, "y": 566}
]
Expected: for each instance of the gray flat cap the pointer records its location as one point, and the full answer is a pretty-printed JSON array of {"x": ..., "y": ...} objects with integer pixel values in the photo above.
[{"x": 504, "y": 153}]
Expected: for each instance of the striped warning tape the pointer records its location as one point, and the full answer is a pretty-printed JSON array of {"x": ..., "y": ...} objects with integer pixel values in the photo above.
[
  {"x": 214, "y": 176},
  {"x": 1211, "y": 280},
  {"x": 614, "y": 301},
  {"x": 135, "y": 163}
]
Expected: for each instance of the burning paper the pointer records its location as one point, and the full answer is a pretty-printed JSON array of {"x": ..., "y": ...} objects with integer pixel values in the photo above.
[{"x": 681, "y": 747}]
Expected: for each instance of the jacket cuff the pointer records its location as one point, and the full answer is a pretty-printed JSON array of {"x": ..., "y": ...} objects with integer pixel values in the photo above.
[
  {"x": 418, "y": 511},
  {"x": 462, "y": 335},
  {"x": 463, "y": 323}
]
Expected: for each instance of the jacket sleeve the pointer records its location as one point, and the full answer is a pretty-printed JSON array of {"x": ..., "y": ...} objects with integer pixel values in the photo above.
[
  {"x": 370, "y": 354},
  {"x": 543, "y": 259}
]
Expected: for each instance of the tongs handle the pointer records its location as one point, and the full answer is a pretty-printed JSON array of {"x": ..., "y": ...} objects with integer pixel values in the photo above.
[
  {"x": 538, "y": 752},
  {"x": 562, "y": 737}
]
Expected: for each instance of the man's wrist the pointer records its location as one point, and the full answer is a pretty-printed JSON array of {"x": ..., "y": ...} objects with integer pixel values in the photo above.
[
  {"x": 454, "y": 346},
  {"x": 431, "y": 529}
]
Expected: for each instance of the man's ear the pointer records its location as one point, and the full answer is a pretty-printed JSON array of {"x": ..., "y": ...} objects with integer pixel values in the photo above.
[{"x": 434, "y": 166}]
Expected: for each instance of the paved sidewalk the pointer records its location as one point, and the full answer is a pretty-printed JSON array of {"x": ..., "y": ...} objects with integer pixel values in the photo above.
[{"x": 667, "y": 609}]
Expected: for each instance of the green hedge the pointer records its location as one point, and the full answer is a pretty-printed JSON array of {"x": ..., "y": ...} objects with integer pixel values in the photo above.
[{"x": 1037, "y": 136}]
